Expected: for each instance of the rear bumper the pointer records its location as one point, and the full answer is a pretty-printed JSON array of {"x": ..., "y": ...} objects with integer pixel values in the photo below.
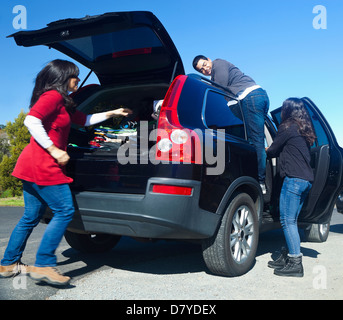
[{"x": 153, "y": 215}]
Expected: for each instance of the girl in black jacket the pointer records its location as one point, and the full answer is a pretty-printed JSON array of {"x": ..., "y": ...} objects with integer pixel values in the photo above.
[{"x": 292, "y": 145}]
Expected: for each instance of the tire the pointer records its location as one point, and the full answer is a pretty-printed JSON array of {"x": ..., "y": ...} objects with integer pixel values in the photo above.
[
  {"x": 317, "y": 232},
  {"x": 232, "y": 250},
  {"x": 91, "y": 243}
]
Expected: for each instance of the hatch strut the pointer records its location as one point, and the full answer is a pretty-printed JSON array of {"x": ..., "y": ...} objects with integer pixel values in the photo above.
[
  {"x": 174, "y": 71},
  {"x": 90, "y": 72}
]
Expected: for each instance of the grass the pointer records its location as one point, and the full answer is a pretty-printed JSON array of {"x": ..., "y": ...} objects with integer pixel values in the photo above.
[{"x": 12, "y": 202}]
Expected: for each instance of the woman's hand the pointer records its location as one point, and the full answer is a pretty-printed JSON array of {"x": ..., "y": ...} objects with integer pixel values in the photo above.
[
  {"x": 59, "y": 155},
  {"x": 119, "y": 112}
]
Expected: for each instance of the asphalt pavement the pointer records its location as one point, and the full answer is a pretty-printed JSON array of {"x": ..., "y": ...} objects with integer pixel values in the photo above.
[{"x": 172, "y": 270}]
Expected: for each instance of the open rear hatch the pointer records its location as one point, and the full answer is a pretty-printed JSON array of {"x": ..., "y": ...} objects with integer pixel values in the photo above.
[{"x": 119, "y": 47}]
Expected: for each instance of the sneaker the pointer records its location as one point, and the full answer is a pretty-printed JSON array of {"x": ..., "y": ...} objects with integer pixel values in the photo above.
[
  {"x": 48, "y": 274},
  {"x": 13, "y": 270}
]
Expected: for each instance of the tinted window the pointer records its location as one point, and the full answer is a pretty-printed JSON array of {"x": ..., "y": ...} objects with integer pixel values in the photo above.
[
  {"x": 221, "y": 113},
  {"x": 112, "y": 44},
  {"x": 322, "y": 138}
]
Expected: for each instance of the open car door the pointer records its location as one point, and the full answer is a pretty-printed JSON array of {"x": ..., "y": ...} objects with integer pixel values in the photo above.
[{"x": 326, "y": 161}]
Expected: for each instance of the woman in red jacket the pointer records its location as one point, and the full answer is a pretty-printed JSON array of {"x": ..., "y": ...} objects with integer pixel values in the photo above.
[{"x": 41, "y": 167}]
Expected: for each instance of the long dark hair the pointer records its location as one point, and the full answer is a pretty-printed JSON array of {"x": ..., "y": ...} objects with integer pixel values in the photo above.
[
  {"x": 294, "y": 111},
  {"x": 55, "y": 76}
]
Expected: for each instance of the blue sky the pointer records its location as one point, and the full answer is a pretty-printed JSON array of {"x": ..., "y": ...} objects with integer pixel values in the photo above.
[{"x": 272, "y": 41}]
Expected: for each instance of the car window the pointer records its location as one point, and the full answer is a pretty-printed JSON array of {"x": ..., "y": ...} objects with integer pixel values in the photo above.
[
  {"x": 223, "y": 113},
  {"x": 322, "y": 138},
  {"x": 114, "y": 44}
]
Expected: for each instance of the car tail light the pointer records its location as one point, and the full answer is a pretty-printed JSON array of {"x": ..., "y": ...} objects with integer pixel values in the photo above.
[
  {"x": 168, "y": 189},
  {"x": 164, "y": 145},
  {"x": 175, "y": 143},
  {"x": 179, "y": 136}
]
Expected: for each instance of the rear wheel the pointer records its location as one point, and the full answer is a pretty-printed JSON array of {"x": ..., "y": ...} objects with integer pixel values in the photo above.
[
  {"x": 231, "y": 252},
  {"x": 91, "y": 243}
]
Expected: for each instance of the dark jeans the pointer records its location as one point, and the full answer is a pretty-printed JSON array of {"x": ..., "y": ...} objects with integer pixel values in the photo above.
[
  {"x": 36, "y": 198},
  {"x": 255, "y": 107}
]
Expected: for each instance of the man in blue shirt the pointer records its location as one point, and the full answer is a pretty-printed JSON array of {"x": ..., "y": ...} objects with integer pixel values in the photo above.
[{"x": 254, "y": 101}]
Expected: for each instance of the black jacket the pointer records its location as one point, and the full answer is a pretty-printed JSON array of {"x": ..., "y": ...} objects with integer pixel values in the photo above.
[{"x": 294, "y": 153}]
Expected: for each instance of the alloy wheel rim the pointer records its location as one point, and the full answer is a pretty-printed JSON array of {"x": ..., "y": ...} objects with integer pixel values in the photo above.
[{"x": 242, "y": 232}]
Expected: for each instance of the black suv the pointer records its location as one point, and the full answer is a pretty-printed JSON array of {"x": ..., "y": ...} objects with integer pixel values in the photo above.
[{"x": 190, "y": 174}]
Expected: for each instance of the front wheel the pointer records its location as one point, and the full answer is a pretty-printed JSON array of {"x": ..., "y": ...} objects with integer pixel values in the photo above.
[{"x": 231, "y": 252}]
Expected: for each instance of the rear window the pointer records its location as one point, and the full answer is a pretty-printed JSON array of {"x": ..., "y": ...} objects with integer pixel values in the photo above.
[
  {"x": 223, "y": 113},
  {"x": 140, "y": 40}
]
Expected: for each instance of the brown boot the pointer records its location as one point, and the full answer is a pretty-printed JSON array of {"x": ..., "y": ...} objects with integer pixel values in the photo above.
[
  {"x": 48, "y": 274},
  {"x": 13, "y": 270}
]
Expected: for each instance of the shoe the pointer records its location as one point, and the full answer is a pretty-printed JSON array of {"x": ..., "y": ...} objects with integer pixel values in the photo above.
[
  {"x": 263, "y": 188},
  {"x": 48, "y": 274},
  {"x": 13, "y": 270},
  {"x": 280, "y": 261},
  {"x": 293, "y": 268}
]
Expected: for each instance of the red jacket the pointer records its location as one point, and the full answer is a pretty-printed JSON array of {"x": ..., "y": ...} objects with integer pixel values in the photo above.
[{"x": 35, "y": 164}]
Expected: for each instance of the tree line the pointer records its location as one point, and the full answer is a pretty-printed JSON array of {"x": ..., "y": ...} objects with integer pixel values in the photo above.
[{"x": 13, "y": 139}]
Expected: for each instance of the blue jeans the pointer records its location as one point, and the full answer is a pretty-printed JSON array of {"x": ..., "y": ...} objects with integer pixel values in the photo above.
[
  {"x": 293, "y": 194},
  {"x": 37, "y": 198},
  {"x": 255, "y": 107}
]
